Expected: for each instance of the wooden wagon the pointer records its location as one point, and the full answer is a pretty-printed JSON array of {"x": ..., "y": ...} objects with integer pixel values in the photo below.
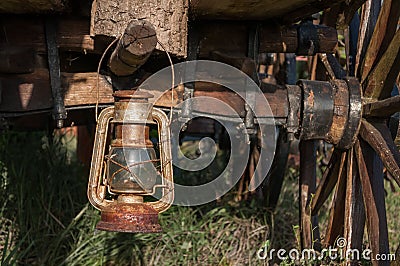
[{"x": 65, "y": 59}]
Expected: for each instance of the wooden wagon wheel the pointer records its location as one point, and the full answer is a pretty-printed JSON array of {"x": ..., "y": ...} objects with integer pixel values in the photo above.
[{"x": 355, "y": 175}]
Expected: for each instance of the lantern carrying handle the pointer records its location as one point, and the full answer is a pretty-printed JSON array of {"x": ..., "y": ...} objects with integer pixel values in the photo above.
[
  {"x": 96, "y": 191},
  {"x": 166, "y": 162}
]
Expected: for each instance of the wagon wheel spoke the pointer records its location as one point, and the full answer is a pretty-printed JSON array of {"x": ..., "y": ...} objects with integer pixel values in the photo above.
[
  {"x": 307, "y": 185},
  {"x": 379, "y": 83},
  {"x": 371, "y": 175},
  {"x": 354, "y": 207},
  {"x": 382, "y": 108},
  {"x": 378, "y": 137},
  {"x": 384, "y": 32},
  {"x": 336, "y": 215},
  {"x": 328, "y": 181},
  {"x": 369, "y": 16},
  {"x": 356, "y": 175}
]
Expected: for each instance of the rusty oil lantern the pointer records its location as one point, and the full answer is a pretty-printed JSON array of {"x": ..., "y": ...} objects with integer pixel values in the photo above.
[{"x": 119, "y": 181}]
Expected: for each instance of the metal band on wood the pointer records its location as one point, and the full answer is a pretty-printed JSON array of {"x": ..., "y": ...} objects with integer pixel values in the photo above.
[
  {"x": 317, "y": 111},
  {"x": 355, "y": 114}
]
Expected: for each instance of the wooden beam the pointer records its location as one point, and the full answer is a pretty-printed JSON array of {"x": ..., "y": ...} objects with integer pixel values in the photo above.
[
  {"x": 31, "y": 92},
  {"x": 256, "y": 9},
  {"x": 32, "y": 6},
  {"x": 27, "y": 31}
]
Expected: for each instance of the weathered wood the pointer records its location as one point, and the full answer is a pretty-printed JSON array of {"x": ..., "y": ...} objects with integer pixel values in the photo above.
[
  {"x": 378, "y": 136},
  {"x": 328, "y": 181},
  {"x": 286, "y": 39},
  {"x": 255, "y": 9},
  {"x": 30, "y": 92},
  {"x": 379, "y": 83},
  {"x": 371, "y": 175},
  {"x": 73, "y": 34},
  {"x": 354, "y": 216},
  {"x": 32, "y": 6},
  {"x": 307, "y": 187},
  {"x": 382, "y": 108},
  {"x": 385, "y": 25},
  {"x": 16, "y": 60},
  {"x": 169, "y": 18},
  {"x": 336, "y": 220},
  {"x": 134, "y": 48}
]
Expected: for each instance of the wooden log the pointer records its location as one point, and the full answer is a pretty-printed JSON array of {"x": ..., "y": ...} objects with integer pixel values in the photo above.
[
  {"x": 134, "y": 48},
  {"x": 169, "y": 17},
  {"x": 32, "y": 6}
]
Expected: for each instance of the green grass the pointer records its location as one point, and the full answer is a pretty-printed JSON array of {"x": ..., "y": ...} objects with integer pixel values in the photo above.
[{"x": 45, "y": 218}]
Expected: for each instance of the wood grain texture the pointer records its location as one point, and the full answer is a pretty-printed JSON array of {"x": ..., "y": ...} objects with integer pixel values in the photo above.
[
  {"x": 254, "y": 9},
  {"x": 169, "y": 18},
  {"x": 32, "y": 6}
]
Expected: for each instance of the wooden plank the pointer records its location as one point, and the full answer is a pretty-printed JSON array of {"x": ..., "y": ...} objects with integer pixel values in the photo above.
[
  {"x": 32, "y": 6},
  {"x": 73, "y": 34},
  {"x": 255, "y": 9},
  {"x": 16, "y": 59},
  {"x": 30, "y": 92}
]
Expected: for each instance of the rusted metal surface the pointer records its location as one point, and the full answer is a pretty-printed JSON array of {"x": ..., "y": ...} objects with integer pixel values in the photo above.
[
  {"x": 294, "y": 103},
  {"x": 119, "y": 195},
  {"x": 355, "y": 113},
  {"x": 59, "y": 112},
  {"x": 129, "y": 218},
  {"x": 318, "y": 107}
]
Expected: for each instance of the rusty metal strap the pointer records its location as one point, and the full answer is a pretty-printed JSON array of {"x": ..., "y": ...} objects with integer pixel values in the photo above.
[
  {"x": 59, "y": 112},
  {"x": 293, "y": 119}
]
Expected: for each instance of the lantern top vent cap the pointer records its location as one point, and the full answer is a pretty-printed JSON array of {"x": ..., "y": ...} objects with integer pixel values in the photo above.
[{"x": 127, "y": 95}]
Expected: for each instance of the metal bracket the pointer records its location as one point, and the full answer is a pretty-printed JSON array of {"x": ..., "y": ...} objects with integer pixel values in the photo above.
[
  {"x": 59, "y": 111},
  {"x": 293, "y": 119},
  {"x": 252, "y": 52}
]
